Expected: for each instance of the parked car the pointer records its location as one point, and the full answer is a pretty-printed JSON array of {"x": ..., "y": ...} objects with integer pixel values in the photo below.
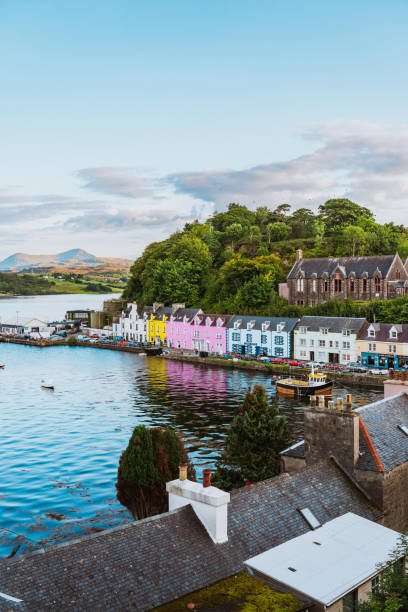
[
  {"x": 95, "y": 336},
  {"x": 315, "y": 364},
  {"x": 377, "y": 371},
  {"x": 356, "y": 367}
]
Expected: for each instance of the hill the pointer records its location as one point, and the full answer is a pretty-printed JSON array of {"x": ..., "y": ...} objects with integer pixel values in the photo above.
[
  {"x": 235, "y": 260},
  {"x": 72, "y": 259}
]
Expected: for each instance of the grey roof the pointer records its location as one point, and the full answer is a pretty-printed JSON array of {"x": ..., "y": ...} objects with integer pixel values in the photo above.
[
  {"x": 356, "y": 265},
  {"x": 335, "y": 324},
  {"x": 213, "y": 318},
  {"x": 190, "y": 313},
  {"x": 382, "y": 419},
  {"x": 145, "y": 564},
  {"x": 161, "y": 312},
  {"x": 274, "y": 321},
  {"x": 382, "y": 332}
]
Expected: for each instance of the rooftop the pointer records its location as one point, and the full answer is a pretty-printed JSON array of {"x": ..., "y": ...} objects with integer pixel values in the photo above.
[
  {"x": 151, "y": 562},
  {"x": 349, "y": 265},
  {"x": 334, "y": 324},
  {"x": 325, "y": 564}
]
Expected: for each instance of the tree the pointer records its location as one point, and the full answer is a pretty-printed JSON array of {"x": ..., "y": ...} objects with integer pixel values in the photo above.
[
  {"x": 277, "y": 231},
  {"x": 391, "y": 594},
  {"x": 339, "y": 212},
  {"x": 233, "y": 233},
  {"x": 257, "y": 435},
  {"x": 150, "y": 460},
  {"x": 353, "y": 240}
]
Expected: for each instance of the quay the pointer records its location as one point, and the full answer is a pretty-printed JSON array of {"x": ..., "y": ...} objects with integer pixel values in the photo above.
[{"x": 152, "y": 350}]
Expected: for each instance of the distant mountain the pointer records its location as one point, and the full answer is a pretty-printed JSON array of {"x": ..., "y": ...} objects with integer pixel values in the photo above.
[{"x": 68, "y": 259}]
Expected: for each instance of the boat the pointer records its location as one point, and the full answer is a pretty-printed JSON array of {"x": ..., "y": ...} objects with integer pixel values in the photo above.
[
  {"x": 47, "y": 383},
  {"x": 2, "y": 366},
  {"x": 316, "y": 384}
]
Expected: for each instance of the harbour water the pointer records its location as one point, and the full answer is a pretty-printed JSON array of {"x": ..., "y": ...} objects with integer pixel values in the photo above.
[{"x": 59, "y": 450}]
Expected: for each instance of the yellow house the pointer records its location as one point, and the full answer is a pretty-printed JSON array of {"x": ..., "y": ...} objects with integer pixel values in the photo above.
[{"x": 157, "y": 326}]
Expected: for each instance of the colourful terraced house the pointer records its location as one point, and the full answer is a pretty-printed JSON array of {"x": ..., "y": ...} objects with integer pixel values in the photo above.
[{"x": 157, "y": 325}]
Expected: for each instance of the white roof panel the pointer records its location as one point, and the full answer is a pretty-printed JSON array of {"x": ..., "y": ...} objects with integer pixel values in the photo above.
[{"x": 346, "y": 554}]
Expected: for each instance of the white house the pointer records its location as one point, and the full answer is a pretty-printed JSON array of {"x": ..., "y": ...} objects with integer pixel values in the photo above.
[
  {"x": 271, "y": 336},
  {"x": 327, "y": 339},
  {"x": 132, "y": 323}
]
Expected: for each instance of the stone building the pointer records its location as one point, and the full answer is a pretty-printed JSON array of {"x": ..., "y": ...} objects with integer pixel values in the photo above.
[
  {"x": 312, "y": 281},
  {"x": 370, "y": 446}
]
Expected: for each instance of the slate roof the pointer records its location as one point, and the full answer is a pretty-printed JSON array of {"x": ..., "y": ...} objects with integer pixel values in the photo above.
[
  {"x": 334, "y": 324},
  {"x": 356, "y": 265},
  {"x": 382, "y": 332},
  {"x": 190, "y": 313},
  {"x": 161, "y": 312},
  {"x": 147, "y": 563},
  {"x": 381, "y": 420},
  {"x": 274, "y": 321},
  {"x": 214, "y": 317}
]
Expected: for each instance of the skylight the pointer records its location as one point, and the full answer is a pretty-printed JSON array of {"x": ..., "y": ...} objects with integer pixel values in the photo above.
[
  {"x": 404, "y": 428},
  {"x": 310, "y": 517}
]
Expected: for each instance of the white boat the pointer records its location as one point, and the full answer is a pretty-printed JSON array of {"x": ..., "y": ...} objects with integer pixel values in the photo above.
[{"x": 47, "y": 383}]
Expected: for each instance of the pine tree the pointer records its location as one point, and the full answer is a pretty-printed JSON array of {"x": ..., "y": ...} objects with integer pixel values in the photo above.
[
  {"x": 257, "y": 435},
  {"x": 151, "y": 459}
]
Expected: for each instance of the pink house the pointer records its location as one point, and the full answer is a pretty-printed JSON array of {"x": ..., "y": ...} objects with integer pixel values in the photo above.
[
  {"x": 178, "y": 329},
  {"x": 192, "y": 330}
]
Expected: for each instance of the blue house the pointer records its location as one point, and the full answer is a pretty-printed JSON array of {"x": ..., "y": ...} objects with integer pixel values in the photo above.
[{"x": 269, "y": 336}]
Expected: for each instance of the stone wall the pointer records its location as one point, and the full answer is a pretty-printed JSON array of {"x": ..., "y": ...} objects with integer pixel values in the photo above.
[{"x": 395, "y": 497}]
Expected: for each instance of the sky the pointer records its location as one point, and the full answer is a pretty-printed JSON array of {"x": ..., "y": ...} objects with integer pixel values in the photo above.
[{"x": 121, "y": 120}]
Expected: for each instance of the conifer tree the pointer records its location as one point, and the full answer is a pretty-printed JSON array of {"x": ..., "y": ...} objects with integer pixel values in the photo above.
[
  {"x": 257, "y": 435},
  {"x": 151, "y": 459}
]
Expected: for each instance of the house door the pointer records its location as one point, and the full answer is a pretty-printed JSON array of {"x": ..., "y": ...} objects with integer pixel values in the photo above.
[
  {"x": 312, "y": 357},
  {"x": 333, "y": 358}
]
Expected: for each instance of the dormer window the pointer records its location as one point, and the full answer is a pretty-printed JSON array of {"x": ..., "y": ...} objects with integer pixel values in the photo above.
[
  {"x": 346, "y": 332},
  {"x": 371, "y": 332},
  {"x": 324, "y": 330},
  {"x": 393, "y": 333},
  {"x": 300, "y": 284},
  {"x": 302, "y": 330},
  {"x": 377, "y": 283},
  {"x": 280, "y": 327}
]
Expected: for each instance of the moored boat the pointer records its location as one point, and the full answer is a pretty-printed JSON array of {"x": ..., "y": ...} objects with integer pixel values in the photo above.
[
  {"x": 316, "y": 384},
  {"x": 47, "y": 383}
]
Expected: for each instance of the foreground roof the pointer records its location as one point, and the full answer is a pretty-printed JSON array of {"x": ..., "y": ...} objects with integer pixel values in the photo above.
[
  {"x": 147, "y": 563},
  {"x": 349, "y": 265},
  {"x": 382, "y": 420},
  {"x": 325, "y": 564}
]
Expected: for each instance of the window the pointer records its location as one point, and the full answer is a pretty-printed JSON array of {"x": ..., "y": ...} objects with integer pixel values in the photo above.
[
  {"x": 196, "y": 334},
  {"x": 278, "y": 339},
  {"x": 219, "y": 336},
  {"x": 393, "y": 334},
  {"x": 346, "y": 345},
  {"x": 371, "y": 333},
  {"x": 364, "y": 284},
  {"x": 372, "y": 347},
  {"x": 263, "y": 339},
  {"x": 351, "y": 285},
  {"x": 236, "y": 337},
  {"x": 322, "y": 343},
  {"x": 279, "y": 351},
  {"x": 314, "y": 285},
  {"x": 324, "y": 330},
  {"x": 331, "y": 344},
  {"x": 249, "y": 337},
  {"x": 375, "y": 582},
  {"x": 300, "y": 284},
  {"x": 310, "y": 518},
  {"x": 337, "y": 285},
  {"x": 302, "y": 330},
  {"x": 403, "y": 428},
  {"x": 346, "y": 332},
  {"x": 336, "y": 344},
  {"x": 398, "y": 275},
  {"x": 325, "y": 285},
  {"x": 303, "y": 342},
  {"x": 311, "y": 342},
  {"x": 303, "y": 353},
  {"x": 235, "y": 348},
  {"x": 346, "y": 357},
  {"x": 392, "y": 348},
  {"x": 377, "y": 284}
]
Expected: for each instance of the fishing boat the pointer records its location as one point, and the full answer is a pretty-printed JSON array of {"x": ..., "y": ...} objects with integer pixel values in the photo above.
[{"x": 316, "y": 384}]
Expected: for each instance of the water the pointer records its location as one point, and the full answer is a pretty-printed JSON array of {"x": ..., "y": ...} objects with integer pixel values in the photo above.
[
  {"x": 59, "y": 450},
  {"x": 50, "y": 307}
]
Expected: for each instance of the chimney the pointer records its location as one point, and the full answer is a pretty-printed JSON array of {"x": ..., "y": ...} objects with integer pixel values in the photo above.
[
  {"x": 206, "y": 478},
  {"x": 183, "y": 471},
  {"x": 332, "y": 431},
  {"x": 299, "y": 254},
  {"x": 209, "y": 503},
  {"x": 157, "y": 305},
  {"x": 175, "y": 307}
]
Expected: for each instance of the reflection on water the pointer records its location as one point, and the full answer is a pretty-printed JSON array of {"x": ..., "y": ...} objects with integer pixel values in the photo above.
[{"x": 59, "y": 450}]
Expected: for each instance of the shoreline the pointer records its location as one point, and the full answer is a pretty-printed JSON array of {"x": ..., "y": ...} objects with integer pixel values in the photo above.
[{"x": 350, "y": 378}]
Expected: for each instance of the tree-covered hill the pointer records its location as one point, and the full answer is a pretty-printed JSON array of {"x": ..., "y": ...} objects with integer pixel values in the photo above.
[{"x": 234, "y": 261}]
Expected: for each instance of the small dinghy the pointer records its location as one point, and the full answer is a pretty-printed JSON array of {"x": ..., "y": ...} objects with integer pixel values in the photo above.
[
  {"x": 47, "y": 383},
  {"x": 2, "y": 366}
]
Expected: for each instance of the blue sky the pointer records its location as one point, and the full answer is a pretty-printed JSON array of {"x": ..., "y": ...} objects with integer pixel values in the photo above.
[{"x": 120, "y": 121}]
